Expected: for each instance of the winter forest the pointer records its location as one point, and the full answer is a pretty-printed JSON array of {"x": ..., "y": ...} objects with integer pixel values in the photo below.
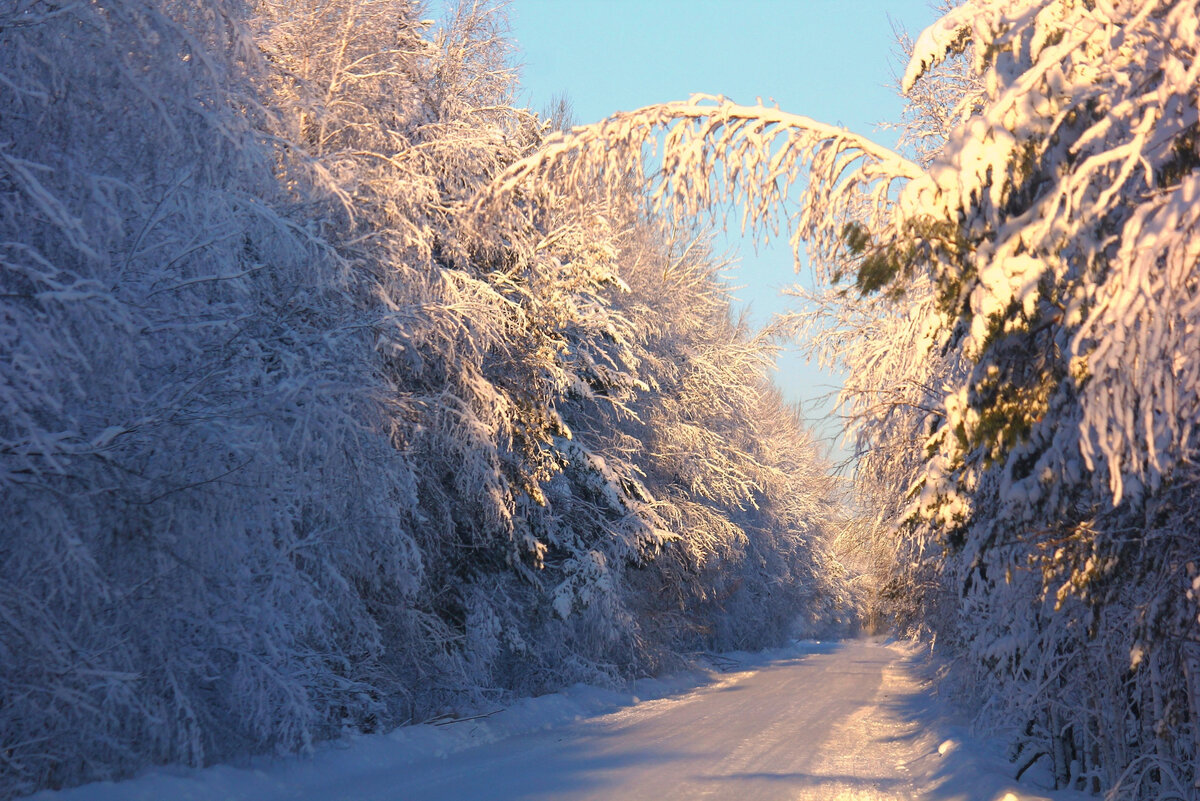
[{"x": 338, "y": 392}]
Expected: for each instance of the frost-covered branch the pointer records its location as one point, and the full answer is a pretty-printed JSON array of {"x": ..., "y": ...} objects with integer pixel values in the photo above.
[{"x": 707, "y": 152}]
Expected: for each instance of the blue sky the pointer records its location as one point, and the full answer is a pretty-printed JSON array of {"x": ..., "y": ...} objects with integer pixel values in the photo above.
[{"x": 833, "y": 60}]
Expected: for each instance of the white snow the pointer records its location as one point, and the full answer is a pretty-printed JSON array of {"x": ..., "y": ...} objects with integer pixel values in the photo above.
[{"x": 842, "y": 720}]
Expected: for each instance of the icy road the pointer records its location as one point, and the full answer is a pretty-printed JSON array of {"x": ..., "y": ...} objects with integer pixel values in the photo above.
[
  {"x": 844, "y": 721},
  {"x": 820, "y": 726}
]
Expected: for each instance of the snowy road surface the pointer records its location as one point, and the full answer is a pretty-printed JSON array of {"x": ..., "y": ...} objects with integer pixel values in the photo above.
[
  {"x": 844, "y": 721},
  {"x": 821, "y": 726}
]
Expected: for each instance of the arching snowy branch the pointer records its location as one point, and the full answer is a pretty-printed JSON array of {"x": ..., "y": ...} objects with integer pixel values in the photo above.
[{"x": 712, "y": 153}]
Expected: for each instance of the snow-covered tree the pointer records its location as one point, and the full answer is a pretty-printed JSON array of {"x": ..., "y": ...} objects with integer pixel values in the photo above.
[
  {"x": 1067, "y": 447},
  {"x": 1049, "y": 249},
  {"x": 295, "y": 442},
  {"x": 189, "y": 427},
  {"x": 895, "y": 378}
]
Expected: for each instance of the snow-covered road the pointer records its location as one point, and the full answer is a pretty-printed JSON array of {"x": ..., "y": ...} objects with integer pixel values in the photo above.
[
  {"x": 843, "y": 721},
  {"x": 819, "y": 726}
]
